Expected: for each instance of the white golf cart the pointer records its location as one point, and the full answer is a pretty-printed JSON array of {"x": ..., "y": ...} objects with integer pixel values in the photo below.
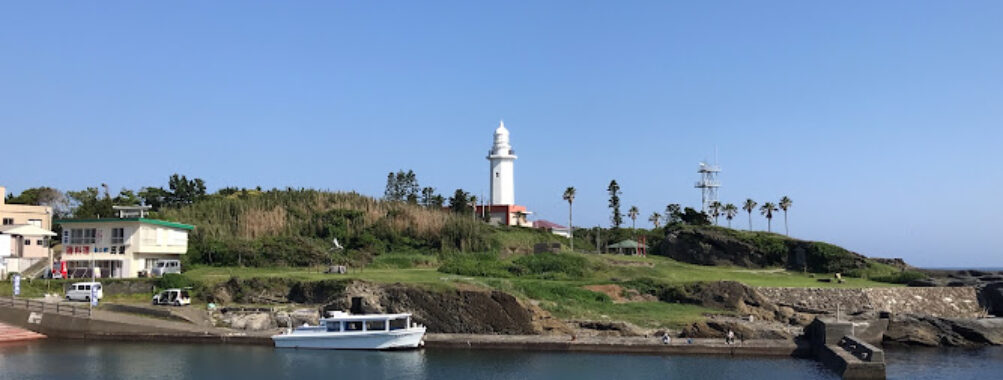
[{"x": 173, "y": 297}]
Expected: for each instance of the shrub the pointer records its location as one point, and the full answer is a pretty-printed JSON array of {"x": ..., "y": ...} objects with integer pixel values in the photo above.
[
  {"x": 542, "y": 290},
  {"x": 665, "y": 292},
  {"x": 174, "y": 280},
  {"x": 481, "y": 264},
  {"x": 903, "y": 277},
  {"x": 551, "y": 266}
]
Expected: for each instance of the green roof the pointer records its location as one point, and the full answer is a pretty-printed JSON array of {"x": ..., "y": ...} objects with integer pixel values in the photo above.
[
  {"x": 141, "y": 220},
  {"x": 627, "y": 244}
]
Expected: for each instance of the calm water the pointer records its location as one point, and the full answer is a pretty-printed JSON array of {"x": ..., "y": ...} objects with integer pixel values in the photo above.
[{"x": 55, "y": 359}]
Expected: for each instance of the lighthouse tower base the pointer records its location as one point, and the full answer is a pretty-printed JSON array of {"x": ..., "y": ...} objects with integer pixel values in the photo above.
[{"x": 505, "y": 215}]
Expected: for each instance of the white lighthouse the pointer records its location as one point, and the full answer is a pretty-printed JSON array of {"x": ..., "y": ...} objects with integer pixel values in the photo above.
[
  {"x": 502, "y": 157},
  {"x": 503, "y": 209}
]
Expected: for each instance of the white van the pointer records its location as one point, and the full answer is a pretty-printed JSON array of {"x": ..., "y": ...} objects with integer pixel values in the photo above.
[
  {"x": 81, "y": 291},
  {"x": 162, "y": 267}
]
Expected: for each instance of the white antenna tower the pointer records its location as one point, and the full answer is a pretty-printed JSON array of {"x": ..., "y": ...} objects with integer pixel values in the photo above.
[{"x": 708, "y": 184}]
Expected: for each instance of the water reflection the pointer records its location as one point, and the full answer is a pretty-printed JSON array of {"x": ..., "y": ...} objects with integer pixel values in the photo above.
[{"x": 54, "y": 359}]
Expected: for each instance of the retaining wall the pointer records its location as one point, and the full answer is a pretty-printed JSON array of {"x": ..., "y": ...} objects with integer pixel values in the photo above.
[{"x": 944, "y": 302}]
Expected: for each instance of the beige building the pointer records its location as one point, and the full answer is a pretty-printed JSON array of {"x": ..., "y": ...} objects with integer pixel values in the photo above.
[
  {"x": 120, "y": 247},
  {"x": 40, "y": 216},
  {"x": 24, "y": 236}
]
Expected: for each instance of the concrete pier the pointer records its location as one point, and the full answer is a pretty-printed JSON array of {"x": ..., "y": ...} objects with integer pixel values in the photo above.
[{"x": 834, "y": 345}]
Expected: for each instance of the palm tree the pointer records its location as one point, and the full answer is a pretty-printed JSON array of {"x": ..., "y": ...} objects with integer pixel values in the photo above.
[
  {"x": 655, "y": 219},
  {"x": 715, "y": 210},
  {"x": 749, "y": 206},
  {"x": 767, "y": 209},
  {"x": 633, "y": 216},
  {"x": 785, "y": 204},
  {"x": 569, "y": 195},
  {"x": 729, "y": 212},
  {"x": 473, "y": 206}
]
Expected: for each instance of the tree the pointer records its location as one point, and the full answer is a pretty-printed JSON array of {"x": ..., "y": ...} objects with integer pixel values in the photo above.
[
  {"x": 184, "y": 191},
  {"x": 155, "y": 197},
  {"x": 785, "y": 204},
  {"x": 632, "y": 212},
  {"x": 460, "y": 202},
  {"x": 655, "y": 219},
  {"x": 569, "y": 195},
  {"x": 427, "y": 195},
  {"x": 89, "y": 203},
  {"x": 95, "y": 203},
  {"x": 390, "y": 192},
  {"x": 749, "y": 206},
  {"x": 42, "y": 196},
  {"x": 715, "y": 210},
  {"x": 693, "y": 217},
  {"x": 411, "y": 187},
  {"x": 402, "y": 186},
  {"x": 673, "y": 214},
  {"x": 438, "y": 201},
  {"x": 614, "y": 203},
  {"x": 767, "y": 209},
  {"x": 730, "y": 210},
  {"x": 472, "y": 200}
]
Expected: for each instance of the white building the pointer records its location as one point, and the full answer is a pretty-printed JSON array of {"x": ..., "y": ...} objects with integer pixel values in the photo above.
[
  {"x": 120, "y": 247},
  {"x": 503, "y": 209}
]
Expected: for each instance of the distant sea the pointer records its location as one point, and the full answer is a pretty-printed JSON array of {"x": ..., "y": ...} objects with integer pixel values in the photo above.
[{"x": 984, "y": 269}]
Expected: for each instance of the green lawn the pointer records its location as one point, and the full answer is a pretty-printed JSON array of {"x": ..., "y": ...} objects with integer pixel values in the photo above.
[{"x": 669, "y": 270}]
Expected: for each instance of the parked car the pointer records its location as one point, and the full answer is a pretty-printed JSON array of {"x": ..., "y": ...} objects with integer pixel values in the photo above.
[
  {"x": 175, "y": 297},
  {"x": 162, "y": 267},
  {"x": 81, "y": 291}
]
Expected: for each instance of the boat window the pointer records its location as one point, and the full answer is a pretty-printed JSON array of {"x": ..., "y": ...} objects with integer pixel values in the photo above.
[
  {"x": 376, "y": 325},
  {"x": 334, "y": 326},
  {"x": 353, "y": 326},
  {"x": 398, "y": 324}
]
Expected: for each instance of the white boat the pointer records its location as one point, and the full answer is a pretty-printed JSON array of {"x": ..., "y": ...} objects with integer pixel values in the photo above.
[{"x": 343, "y": 331}]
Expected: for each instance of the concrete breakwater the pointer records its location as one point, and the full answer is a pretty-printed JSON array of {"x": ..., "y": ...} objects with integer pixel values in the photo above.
[{"x": 944, "y": 302}]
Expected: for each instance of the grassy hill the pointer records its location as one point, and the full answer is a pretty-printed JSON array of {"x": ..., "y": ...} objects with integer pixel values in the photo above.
[{"x": 296, "y": 228}]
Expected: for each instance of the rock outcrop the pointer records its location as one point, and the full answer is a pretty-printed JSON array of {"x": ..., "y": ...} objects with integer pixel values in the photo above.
[
  {"x": 718, "y": 246},
  {"x": 442, "y": 311},
  {"x": 924, "y": 330}
]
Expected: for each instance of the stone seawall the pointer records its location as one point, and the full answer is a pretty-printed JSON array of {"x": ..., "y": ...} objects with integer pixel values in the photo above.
[{"x": 949, "y": 302}]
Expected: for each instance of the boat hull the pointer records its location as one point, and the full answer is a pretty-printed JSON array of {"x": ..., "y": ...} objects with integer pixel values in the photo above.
[{"x": 370, "y": 340}]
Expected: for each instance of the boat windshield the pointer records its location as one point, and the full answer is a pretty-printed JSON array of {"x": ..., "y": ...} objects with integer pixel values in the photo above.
[{"x": 398, "y": 324}]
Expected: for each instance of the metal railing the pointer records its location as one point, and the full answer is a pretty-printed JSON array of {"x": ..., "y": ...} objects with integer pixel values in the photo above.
[{"x": 46, "y": 307}]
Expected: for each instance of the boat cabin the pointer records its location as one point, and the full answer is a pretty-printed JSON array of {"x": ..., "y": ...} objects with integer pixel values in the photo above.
[{"x": 343, "y": 322}]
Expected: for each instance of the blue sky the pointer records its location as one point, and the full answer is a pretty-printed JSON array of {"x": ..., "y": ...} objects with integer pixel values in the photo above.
[{"x": 883, "y": 121}]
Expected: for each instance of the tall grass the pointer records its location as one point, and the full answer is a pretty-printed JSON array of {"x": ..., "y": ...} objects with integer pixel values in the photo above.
[{"x": 297, "y": 226}]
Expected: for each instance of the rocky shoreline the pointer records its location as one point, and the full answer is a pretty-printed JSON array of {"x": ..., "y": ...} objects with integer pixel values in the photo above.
[{"x": 936, "y": 316}]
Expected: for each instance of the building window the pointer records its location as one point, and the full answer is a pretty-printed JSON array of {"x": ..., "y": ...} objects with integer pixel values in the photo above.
[
  {"x": 121, "y": 249},
  {"x": 27, "y": 241},
  {"x": 117, "y": 235},
  {"x": 35, "y": 222},
  {"x": 497, "y": 174},
  {"x": 82, "y": 236},
  {"x": 7, "y": 221},
  {"x": 38, "y": 242}
]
